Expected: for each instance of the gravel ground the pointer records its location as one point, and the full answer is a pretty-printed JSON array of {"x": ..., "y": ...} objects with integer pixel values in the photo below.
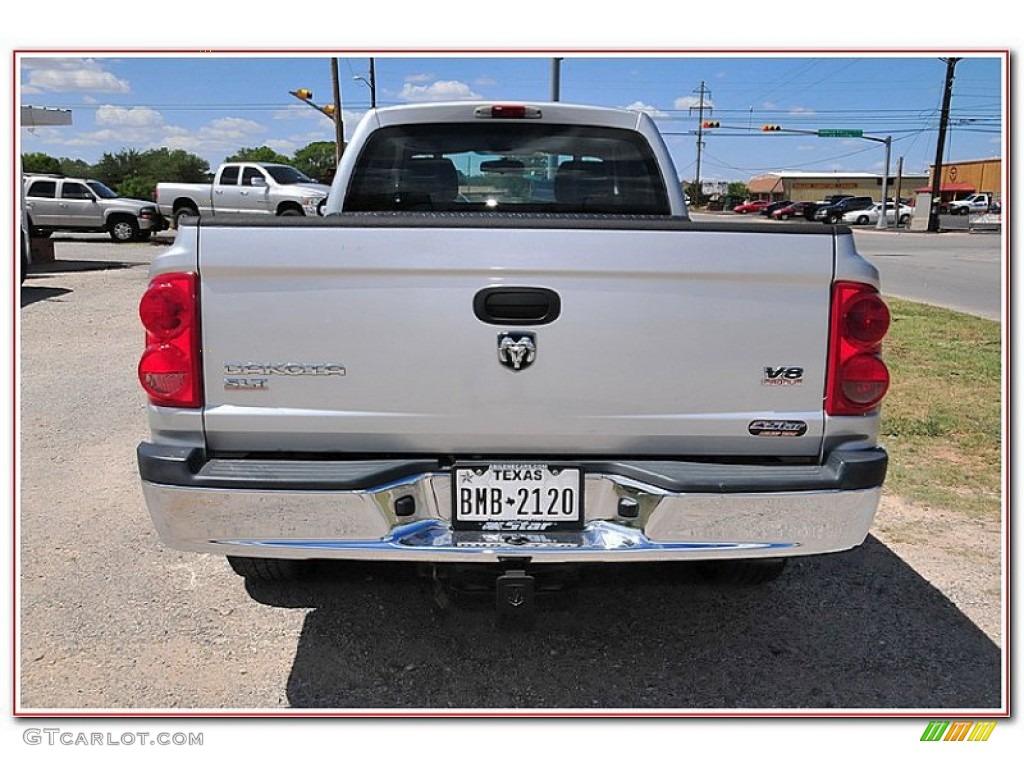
[{"x": 109, "y": 618}]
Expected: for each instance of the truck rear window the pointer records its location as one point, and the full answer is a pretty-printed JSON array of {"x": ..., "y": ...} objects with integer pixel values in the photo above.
[{"x": 521, "y": 167}]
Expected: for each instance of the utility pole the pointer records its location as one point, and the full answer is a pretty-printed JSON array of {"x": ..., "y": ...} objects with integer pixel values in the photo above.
[
  {"x": 882, "y": 221},
  {"x": 556, "y": 79},
  {"x": 899, "y": 188},
  {"x": 940, "y": 147},
  {"x": 339, "y": 125},
  {"x": 700, "y": 136},
  {"x": 373, "y": 85}
]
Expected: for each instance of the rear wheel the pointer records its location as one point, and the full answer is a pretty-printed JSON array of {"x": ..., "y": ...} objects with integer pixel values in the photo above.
[
  {"x": 266, "y": 569},
  {"x": 742, "y": 572},
  {"x": 182, "y": 212}
]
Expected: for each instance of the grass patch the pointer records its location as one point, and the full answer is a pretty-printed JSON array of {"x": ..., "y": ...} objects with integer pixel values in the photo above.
[{"x": 942, "y": 417}]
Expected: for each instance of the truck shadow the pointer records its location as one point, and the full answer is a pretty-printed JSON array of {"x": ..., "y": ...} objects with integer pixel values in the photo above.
[
  {"x": 63, "y": 266},
  {"x": 30, "y": 294},
  {"x": 855, "y": 630}
]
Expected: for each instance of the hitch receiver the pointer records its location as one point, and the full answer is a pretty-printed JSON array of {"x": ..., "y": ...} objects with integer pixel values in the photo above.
[{"x": 514, "y": 598}]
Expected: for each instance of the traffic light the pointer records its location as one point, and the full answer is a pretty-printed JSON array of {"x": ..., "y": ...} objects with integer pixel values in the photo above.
[
  {"x": 711, "y": 124},
  {"x": 304, "y": 93},
  {"x": 770, "y": 128}
]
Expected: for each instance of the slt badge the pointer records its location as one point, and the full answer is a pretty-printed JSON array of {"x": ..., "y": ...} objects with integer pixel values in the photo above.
[{"x": 517, "y": 350}]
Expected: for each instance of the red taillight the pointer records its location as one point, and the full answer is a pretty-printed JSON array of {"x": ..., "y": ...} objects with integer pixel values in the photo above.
[
  {"x": 864, "y": 380},
  {"x": 170, "y": 366},
  {"x": 857, "y": 377},
  {"x": 866, "y": 320}
]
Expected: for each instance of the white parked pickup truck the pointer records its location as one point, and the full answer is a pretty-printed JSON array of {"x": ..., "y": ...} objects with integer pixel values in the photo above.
[
  {"x": 506, "y": 343},
  {"x": 980, "y": 202},
  {"x": 239, "y": 189}
]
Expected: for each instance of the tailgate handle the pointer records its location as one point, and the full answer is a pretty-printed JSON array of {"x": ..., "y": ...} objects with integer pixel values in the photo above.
[{"x": 508, "y": 305}]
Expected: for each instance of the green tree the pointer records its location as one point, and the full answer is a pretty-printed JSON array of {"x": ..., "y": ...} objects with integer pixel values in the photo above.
[
  {"x": 75, "y": 168},
  {"x": 738, "y": 189},
  {"x": 112, "y": 169},
  {"x": 257, "y": 155},
  {"x": 39, "y": 162},
  {"x": 137, "y": 187},
  {"x": 136, "y": 174},
  {"x": 165, "y": 164},
  {"x": 316, "y": 160}
]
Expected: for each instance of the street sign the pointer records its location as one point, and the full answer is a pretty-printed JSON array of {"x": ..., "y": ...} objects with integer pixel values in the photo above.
[{"x": 840, "y": 133}]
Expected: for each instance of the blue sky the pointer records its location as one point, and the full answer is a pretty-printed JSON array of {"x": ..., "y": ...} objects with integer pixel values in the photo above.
[{"x": 215, "y": 104}]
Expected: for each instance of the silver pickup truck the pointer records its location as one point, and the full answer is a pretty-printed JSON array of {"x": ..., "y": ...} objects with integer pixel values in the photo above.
[
  {"x": 240, "y": 189},
  {"x": 507, "y": 343}
]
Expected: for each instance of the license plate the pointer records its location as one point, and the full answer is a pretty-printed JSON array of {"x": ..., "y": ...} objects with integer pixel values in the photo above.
[{"x": 517, "y": 497}]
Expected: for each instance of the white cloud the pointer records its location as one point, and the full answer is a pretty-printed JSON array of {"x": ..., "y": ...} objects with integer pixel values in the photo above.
[
  {"x": 802, "y": 111},
  {"x": 71, "y": 75},
  {"x": 692, "y": 102},
  {"x": 442, "y": 90},
  {"x": 230, "y": 129},
  {"x": 299, "y": 112},
  {"x": 134, "y": 117},
  {"x": 418, "y": 78},
  {"x": 639, "y": 106}
]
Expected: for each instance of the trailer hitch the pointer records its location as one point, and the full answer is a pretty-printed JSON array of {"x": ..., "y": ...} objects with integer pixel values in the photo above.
[{"x": 515, "y": 599}]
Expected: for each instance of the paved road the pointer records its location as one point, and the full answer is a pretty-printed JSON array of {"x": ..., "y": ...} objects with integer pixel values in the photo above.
[
  {"x": 110, "y": 618},
  {"x": 956, "y": 269}
]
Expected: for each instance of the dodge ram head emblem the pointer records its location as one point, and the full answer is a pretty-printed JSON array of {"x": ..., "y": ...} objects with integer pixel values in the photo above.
[{"x": 517, "y": 350}]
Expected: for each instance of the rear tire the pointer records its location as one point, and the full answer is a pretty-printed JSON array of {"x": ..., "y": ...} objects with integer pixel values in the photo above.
[
  {"x": 742, "y": 572},
  {"x": 179, "y": 214},
  {"x": 862, "y": 219},
  {"x": 266, "y": 569}
]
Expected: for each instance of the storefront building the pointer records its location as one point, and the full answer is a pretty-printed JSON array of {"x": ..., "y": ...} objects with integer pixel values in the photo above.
[
  {"x": 966, "y": 177},
  {"x": 812, "y": 186}
]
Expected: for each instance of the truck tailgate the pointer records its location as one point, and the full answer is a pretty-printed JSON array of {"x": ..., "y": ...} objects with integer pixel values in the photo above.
[{"x": 670, "y": 340}]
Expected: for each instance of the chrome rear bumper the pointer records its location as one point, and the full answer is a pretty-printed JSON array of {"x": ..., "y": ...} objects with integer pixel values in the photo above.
[{"x": 646, "y": 512}]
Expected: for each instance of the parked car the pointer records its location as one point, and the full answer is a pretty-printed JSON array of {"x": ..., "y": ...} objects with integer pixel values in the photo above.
[
  {"x": 832, "y": 214},
  {"x": 871, "y": 215},
  {"x": 794, "y": 210},
  {"x": 753, "y": 206},
  {"x": 768, "y": 210},
  {"x": 54, "y": 203},
  {"x": 244, "y": 189}
]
